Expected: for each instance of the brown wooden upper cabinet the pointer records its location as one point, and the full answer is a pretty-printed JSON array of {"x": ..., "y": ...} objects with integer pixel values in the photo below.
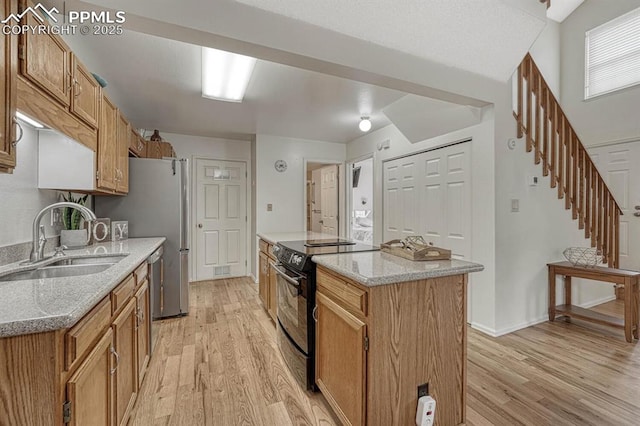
[
  {"x": 86, "y": 93},
  {"x": 122, "y": 155},
  {"x": 45, "y": 62},
  {"x": 137, "y": 145},
  {"x": 107, "y": 146},
  {"x": 9, "y": 61},
  {"x": 154, "y": 149}
]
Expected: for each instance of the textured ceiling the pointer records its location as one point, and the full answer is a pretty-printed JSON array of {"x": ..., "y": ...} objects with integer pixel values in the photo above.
[
  {"x": 157, "y": 83},
  {"x": 486, "y": 37}
]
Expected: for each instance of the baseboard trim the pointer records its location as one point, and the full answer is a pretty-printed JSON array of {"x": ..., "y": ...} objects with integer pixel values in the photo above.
[
  {"x": 522, "y": 325},
  {"x": 483, "y": 329},
  {"x": 598, "y": 302}
]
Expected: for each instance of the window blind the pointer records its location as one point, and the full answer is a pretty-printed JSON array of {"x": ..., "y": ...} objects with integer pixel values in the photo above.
[{"x": 612, "y": 55}]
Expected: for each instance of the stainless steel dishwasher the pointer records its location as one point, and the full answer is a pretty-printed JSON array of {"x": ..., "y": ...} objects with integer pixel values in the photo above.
[{"x": 156, "y": 286}]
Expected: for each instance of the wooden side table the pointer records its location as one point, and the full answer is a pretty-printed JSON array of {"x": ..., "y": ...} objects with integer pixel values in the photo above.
[{"x": 629, "y": 279}]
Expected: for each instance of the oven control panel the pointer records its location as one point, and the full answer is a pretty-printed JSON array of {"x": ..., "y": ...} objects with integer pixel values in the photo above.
[{"x": 291, "y": 258}]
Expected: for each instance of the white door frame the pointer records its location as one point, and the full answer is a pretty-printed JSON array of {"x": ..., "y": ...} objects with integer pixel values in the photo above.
[
  {"x": 341, "y": 191},
  {"x": 349, "y": 190},
  {"x": 194, "y": 222}
]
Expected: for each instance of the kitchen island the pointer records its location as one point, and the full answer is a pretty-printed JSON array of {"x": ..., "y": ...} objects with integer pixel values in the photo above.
[{"x": 386, "y": 328}]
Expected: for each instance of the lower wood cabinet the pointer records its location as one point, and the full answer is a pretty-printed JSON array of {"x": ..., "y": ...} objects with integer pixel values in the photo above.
[
  {"x": 88, "y": 374},
  {"x": 272, "y": 302},
  {"x": 143, "y": 330},
  {"x": 376, "y": 345},
  {"x": 267, "y": 279},
  {"x": 263, "y": 279},
  {"x": 341, "y": 360},
  {"x": 126, "y": 369},
  {"x": 90, "y": 389}
]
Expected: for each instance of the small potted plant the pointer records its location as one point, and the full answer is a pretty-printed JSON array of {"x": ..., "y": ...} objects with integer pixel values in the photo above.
[{"x": 72, "y": 235}]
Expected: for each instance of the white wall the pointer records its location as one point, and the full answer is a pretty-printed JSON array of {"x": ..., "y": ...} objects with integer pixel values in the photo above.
[
  {"x": 611, "y": 117},
  {"x": 286, "y": 191},
  {"x": 190, "y": 147},
  {"x": 481, "y": 294},
  {"x": 536, "y": 235},
  {"x": 20, "y": 197}
]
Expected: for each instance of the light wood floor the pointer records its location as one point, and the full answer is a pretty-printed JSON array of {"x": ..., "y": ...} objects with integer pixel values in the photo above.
[{"x": 220, "y": 366}]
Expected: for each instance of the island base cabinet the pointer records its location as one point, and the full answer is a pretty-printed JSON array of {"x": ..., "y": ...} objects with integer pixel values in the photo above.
[
  {"x": 90, "y": 389},
  {"x": 341, "y": 360},
  {"x": 374, "y": 350},
  {"x": 263, "y": 279}
]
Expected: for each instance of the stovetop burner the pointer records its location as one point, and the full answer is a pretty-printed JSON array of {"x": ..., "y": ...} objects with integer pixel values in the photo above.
[
  {"x": 329, "y": 242},
  {"x": 298, "y": 254}
]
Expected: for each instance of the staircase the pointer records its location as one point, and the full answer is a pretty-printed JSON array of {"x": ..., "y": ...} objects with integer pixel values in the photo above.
[{"x": 557, "y": 147}]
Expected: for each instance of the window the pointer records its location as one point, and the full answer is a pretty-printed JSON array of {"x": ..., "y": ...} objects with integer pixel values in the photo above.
[{"x": 612, "y": 55}]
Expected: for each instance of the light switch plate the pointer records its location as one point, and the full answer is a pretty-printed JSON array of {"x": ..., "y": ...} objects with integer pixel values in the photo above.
[
  {"x": 269, "y": 207},
  {"x": 515, "y": 205}
]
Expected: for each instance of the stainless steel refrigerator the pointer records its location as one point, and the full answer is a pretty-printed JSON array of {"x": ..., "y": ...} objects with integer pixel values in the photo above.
[{"x": 157, "y": 205}]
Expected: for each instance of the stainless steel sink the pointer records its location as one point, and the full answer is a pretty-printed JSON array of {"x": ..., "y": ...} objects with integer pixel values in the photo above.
[
  {"x": 57, "y": 272},
  {"x": 92, "y": 260}
]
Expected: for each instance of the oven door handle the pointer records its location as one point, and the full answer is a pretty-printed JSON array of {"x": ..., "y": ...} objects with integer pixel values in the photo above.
[{"x": 293, "y": 281}]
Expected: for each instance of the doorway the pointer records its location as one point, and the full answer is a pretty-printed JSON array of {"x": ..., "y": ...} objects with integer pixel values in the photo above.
[
  {"x": 323, "y": 198},
  {"x": 361, "y": 197},
  {"x": 617, "y": 165},
  {"x": 220, "y": 219}
]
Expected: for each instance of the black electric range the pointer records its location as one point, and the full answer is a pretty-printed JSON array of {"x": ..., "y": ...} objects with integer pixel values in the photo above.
[{"x": 296, "y": 299}]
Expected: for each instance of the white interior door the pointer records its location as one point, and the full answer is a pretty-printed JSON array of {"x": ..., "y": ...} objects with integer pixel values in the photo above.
[
  {"x": 329, "y": 199},
  {"x": 619, "y": 166},
  {"x": 429, "y": 194},
  {"x": 221, "y": 219},
  {"x": 316, "y": 201}
]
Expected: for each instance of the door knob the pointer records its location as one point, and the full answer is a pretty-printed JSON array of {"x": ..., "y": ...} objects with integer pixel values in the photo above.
[
  {"x": 199, "y": 225},
  {"x": 637, "y": 214},
  {"x": 637, "y": 207}
]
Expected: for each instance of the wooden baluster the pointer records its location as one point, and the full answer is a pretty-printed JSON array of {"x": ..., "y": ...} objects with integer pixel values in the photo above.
[
  {"x": 594, "y": 208},
  {"x": 587, "y": 203},
  {"x": 567, "y": 171},
  {"x": 605, "y": 224},
  {"x": 560, "y": 155},
  {"x": 554, "y": 146},
  {"x": 529, "y": 102},
  {"x": 581, "y": 177},
  {"x": 520, "y": 100},
  {"x": 600, "y": 212},
  {"x": 545, "y": 143},
  {"x": 573, "y": 138},
  {"x": 537, "y": 140},
  {"x": 616, "y": 238},
  {"x": 612, "y": 212}
]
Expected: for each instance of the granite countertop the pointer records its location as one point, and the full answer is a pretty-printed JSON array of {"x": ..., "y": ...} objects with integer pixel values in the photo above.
[
  {"x": 274, "y": 237},
  {"x": 34, "y": 306},
  {"x": 378, "y": 268}
]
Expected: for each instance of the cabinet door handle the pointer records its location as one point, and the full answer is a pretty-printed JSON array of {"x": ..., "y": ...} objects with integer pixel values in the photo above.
[
  {"x": 314, "y": 314},
  {"x": 19, "y": 138},
  {"x": 117, "y": 356},
  {"x": 78, "y": 91}
]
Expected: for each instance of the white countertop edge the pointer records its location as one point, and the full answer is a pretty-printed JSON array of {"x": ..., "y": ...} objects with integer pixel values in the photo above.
[
  {"x": 57, "y": 322},
  {"x": 325, "y": 260}
]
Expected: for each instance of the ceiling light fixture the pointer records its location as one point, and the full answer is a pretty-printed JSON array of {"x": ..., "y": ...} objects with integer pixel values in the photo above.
[
  {"x": 29, "y": 120},
  {"x": 365, "y": 124},
  {"x": 225, "y": 75}
]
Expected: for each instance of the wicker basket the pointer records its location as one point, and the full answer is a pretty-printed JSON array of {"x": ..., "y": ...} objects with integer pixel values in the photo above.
[{"x": 415, "y": 248}]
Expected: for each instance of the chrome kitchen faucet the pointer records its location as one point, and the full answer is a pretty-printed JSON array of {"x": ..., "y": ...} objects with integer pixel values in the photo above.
[{"x": 38, "y": 238}]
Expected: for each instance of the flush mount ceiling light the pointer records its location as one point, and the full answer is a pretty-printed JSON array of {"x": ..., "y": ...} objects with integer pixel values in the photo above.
[
  {"x": 365, "y": 124},
  {"x": 225, "y": 75}
]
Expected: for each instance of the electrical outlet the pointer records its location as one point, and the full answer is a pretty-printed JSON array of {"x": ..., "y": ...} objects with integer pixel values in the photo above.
[
  {"x": 423, "y": 390},
  {"x": 269, "y": 207}
]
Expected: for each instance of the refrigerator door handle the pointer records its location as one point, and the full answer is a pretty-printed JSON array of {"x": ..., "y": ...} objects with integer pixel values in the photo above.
[{"x": 184, "y": 206}]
